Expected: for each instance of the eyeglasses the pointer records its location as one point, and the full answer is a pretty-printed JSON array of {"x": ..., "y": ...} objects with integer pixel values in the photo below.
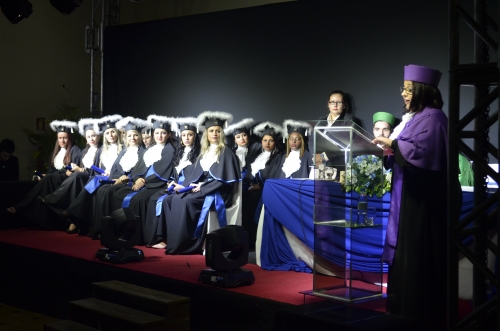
[
  {"x": 408, "y": 90},
  {"x": 335, "y": 103}
]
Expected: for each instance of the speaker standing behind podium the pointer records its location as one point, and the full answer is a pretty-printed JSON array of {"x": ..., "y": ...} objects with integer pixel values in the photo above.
[{"x": 415, "y": 246}]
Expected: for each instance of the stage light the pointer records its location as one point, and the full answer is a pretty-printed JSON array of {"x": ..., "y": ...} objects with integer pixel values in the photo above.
[
  {"x": 120, "y": 232},
  {"x": 16, "y": 10},
  {"x": 226, "y": 268},
  {"x": 66, "y": 6}
]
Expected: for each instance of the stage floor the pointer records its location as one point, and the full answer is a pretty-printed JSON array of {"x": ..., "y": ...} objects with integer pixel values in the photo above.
[{"x": 50, "y": 268}]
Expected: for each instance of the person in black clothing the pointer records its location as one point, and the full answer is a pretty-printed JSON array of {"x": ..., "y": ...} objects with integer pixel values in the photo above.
[
  {"x": 239, "y": 139},
  {"x": 65, "y": 152},
  {"x": 9, "y": 164},
  {"x": 264, "y": 166},
  {"x": 154, "y": 231}
]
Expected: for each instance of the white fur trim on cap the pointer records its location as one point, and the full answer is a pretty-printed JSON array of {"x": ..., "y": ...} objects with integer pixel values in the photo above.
[
  {"x": 244, "y": 123},
  {"x": 68, "y": 124},
  {"x": 83, "y": 123},
  {"x": 226, "y": 117},
  {"x": 259, "y": 129}
]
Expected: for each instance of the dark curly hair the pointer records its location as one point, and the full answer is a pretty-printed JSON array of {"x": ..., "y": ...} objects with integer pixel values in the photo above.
[{"x": 192, "y": 155}]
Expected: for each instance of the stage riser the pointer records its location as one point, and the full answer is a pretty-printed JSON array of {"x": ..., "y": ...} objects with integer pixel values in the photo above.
[
  {"x": 175, "y": 308},
  {"x": 108, "y": 316}
]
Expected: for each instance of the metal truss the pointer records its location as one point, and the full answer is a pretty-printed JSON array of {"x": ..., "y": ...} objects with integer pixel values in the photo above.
[
  {"x": 483, "y": 75},
  {"x": 104, "y": 13}
]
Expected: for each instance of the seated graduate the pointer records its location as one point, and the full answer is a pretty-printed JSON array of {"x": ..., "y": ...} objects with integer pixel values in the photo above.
[
  {"x": 210, "y": 182},
  {"x": 72, "y": 186},
  {"x": 147, "y": 140},
  {"x": 264, "y": 165},
  {"x": 9, "y": 164},
  {"x": 185, "y": 155},
  {"x": 65, "y": 152},
  {"x": 81, "y": 209},
  {"x": 153, "y": 171},
  {"x": 245, "y": 149},
  {"x": 297, "y": 161}
]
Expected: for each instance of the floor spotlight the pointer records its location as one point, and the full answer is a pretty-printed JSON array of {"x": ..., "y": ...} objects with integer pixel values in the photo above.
[
  {"x": 226, "y": 251},
  {"x": 120, "y": 232},
  {"x": 16, "y": 10},
  {"x": 66, "y": 6}
]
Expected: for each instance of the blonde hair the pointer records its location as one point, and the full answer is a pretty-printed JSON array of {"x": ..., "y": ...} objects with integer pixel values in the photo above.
[
  {"x": 139, "y": 140},
  {"x": 105, "y": 143},
  {"x": 205, "y": 144},
  {"x": 302, "y": 146}
]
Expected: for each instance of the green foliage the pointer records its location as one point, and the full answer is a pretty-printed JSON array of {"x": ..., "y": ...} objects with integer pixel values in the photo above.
[{"x": 45, "y": 140}]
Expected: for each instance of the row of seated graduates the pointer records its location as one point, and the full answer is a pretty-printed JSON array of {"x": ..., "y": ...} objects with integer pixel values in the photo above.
[{"x": 142, "y": 177}]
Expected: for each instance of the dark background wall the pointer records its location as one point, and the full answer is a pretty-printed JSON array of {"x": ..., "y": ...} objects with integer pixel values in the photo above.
[{"x": 276, "y": 61}]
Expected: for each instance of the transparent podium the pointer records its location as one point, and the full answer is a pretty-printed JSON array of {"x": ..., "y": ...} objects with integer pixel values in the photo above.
[{"x": 346, "y": 160}]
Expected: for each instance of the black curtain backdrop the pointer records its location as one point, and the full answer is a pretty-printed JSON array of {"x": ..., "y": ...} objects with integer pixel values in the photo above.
[{"x": 276, "y": 61}]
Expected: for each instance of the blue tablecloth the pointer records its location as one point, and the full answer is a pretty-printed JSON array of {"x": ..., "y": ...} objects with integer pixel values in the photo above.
[{"x": 290, "y": 203}]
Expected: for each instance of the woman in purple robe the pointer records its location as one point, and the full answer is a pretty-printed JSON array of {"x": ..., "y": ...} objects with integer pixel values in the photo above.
[{"x": 415, "y": 246}]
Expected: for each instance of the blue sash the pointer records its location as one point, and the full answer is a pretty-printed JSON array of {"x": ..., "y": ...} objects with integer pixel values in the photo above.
[
  {"x": 126, "y": 201},
  {"x": 151, "y": 171},
  {"x": 220, "y": 208},
  {"x": 99, "y": 170},
  {"x": 94, "y": 183},
  {"x": 160, "y": 200}
]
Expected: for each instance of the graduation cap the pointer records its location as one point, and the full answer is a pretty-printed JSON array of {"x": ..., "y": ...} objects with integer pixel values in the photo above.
[
  {"x": 107, "y": 122},
  {"x": 301, "y": 127},
  {"x": 161, "y": 122},
  {"x": 383, "y": 116},
  {"x": 132, "y": 123},
  {"x": 63, "y": 126},
  {"x": 268, "y": 129},
  {"x": 244, "y": 125},
  {"x": 86, "y": 124},
  {"x": 422, "y": 74},
  {"x": 184, "y": 123},
  {"x": 214, "y": 118}
]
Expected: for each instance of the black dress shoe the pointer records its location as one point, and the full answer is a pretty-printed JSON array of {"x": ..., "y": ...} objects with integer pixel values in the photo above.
[{"x": 75, "y": 230}]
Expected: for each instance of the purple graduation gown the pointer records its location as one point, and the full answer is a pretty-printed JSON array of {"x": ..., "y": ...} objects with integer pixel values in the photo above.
[{"x": 415, "y": 246}]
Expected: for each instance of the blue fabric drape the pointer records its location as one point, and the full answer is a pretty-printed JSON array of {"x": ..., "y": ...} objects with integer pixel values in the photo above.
[{"x": 291, "y": 203}]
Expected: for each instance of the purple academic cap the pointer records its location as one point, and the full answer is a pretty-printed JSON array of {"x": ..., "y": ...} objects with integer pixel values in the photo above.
[{"x": 422, "y": 74}]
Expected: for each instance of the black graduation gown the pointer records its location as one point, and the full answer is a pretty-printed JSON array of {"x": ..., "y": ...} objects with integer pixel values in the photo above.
[
  {"x": 82, "y": 207},
  {"x": 102, "y": 201},
  {"x": 154, "y": 230},
  {"x": 182, "y": 212},
  {"x": 71, "y": 187},
  {"x": 417, "y": 277},
  {"x": 253, "y": 151},
  {"x": 306, "y": 163},
  {"x": 32, "y": 209},
  {"x": 155, "y": 181},
  {"x": 251, "y": 199}
]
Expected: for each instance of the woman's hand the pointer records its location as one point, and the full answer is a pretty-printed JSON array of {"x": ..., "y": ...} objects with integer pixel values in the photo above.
[
  {"x": 254, "y": 187},
  {"x": 139, "y": 183},
  {"x": 197, "y": 187},
  {"x": 68, "y": 173},
  {"x": 123, "y": 179},
  {"x": 385, "y": 144}
]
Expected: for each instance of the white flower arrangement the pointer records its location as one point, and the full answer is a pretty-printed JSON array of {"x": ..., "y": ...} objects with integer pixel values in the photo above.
[{"x": 367, "y": 173}]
